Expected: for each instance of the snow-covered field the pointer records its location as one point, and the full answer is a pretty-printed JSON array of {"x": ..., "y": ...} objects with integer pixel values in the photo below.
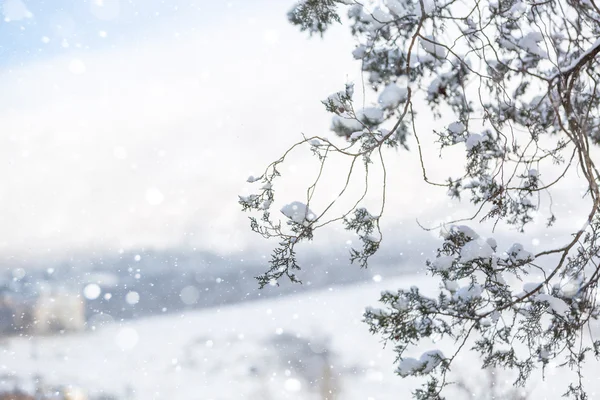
[{"x": 269, "y": 349}]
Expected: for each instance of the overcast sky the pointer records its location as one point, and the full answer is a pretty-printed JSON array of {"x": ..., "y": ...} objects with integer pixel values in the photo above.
[
  {"x": 127, "y": 125},
  {"x": 130, "y": 124}
]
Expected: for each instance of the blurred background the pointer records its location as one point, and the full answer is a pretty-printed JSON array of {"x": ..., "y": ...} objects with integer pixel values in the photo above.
[{"x": 127, "y": 130}]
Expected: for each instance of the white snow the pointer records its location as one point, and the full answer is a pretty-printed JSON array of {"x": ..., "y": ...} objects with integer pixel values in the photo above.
[
  {"x": 298, "y": 212},
  {"x": 223, "y": 353},
  {"x": 518, "y": 254},
  {"x": 518, "y": 9},
  {"x": 345, "y": 126},
  {"x": 457, "y": 127},
  {"x": 544, "y": 354},
  {"x": 227, "y": 353},
  {"x": 451, "y": 286},
  {"x": 356, "y": 135},
  {"x": 434, "y": 86},
  {"x": 555, "y": 304},
  {"x": 400, "y": 304},
  {"x": 266, "y": 204},
  {"x": 341, "y": 125},
  {"x": 359, "y": 52},
  {"x": 468, "y": 292},
  {"x": 442, "y": 263},
  {"x": 380, "y": 16},
  {"x": 434, "y": 49},
  {"x": 396, "y": 7},
  {"x": 475, "y": 249},
  {"x": 392, "y": 95},
  {"x": 336, "y": 100},
  {"x": 380, "y": 312},
  {"x": 429, "y": 6},
  {"x": 424, "y": 365},
  {"x": 474, "y": 139},
  {"x": 467, "y": 231},
  {"x": 373, "y": 115},
  {"x": 578, "y": 59},
  {"x": 529, "y": 287},
  {"x": 492, "y": 243},
  {"x": 529, "y": 43},
  {"x": 570, "y": 289}
]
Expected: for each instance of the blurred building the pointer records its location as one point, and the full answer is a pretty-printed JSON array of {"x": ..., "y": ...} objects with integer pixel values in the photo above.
[{"x": 40, "y": 308}]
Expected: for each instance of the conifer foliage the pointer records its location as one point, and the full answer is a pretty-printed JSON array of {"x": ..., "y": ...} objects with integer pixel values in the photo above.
[{"x": 520, "y": 81}]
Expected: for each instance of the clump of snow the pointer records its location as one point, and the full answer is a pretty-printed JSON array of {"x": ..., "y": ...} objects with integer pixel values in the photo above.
[
  {"x": 518, "y": 9},
  {"x": 517, "y": 253},
  {"x": 467, "y": 231},
  {"x": 570, "y": 289},
  {"x": 359, "y": 52},
  {"x": 434, "y": 86},
  {"x": 400, "y": 304},
  {"x": 492, "y": 243},
  {"x": 252, "y": 179},
  {"x": 435, "y": 50},
  {"x": 373, "y": 115},
  {"x": 396, "y": 7},
  {"x": 298, "y": 212},
  {"x": 474, "y": 139},
  {"x": 379, "y": 312},
  {"x": 555, "y": 304},
  {"x": 533, "y": 172},
  {"x": 380, "y": 17},
  {"x": 544, "y": 354},
  {"x": 529, "y": 43},
  {"x": 533, "y": 286},
  {"x": 442, "y": 263},
  {"x": 345, "y": 126},
  {"x": 465, "y": 293},
  {"x": 356, "y": 135},
  {"x": 371, "y": 238},
  {"x": 451, "y": 286},
  {"x": 475, "y": 249},
  {"x": 429, "y": 6},
  {"x": 392, "y": 95},
  {"x": 457, "y": 127},
  {"x": 424, "y": 365},
  {"x": 337, "y": 100},
  {"x": 366, "y": 216}
]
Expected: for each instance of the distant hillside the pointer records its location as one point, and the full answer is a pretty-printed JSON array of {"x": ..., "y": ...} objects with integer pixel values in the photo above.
[{"x": 135, "y": 284}]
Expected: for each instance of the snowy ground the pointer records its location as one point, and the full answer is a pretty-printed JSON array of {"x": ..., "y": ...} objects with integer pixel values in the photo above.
[{"x": 270, "y": 349}]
